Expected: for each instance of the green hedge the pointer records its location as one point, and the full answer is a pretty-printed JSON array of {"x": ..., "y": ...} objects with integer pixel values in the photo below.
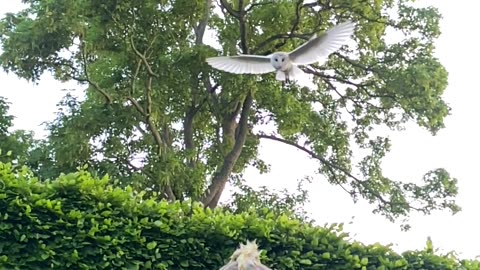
[{"x": 79, "y": 222}]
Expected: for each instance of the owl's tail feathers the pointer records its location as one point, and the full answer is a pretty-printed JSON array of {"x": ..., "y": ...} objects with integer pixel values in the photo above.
[{"x": 294, "y": 73}]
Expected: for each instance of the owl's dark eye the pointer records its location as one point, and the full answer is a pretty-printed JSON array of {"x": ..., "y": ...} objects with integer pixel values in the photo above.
[
  {"x": 276, "y": 60},
  {"x": 283, "y": 59}
]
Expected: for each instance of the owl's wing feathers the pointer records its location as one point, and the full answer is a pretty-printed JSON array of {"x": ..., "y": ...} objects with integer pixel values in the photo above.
[
  {"x": 262, "y": 267},
  {"x": 318, "y": 48},
  {"x": 230, "y": 266},
  {"x": 242, "y": 64},
  {"x": 234, "y": 266}
]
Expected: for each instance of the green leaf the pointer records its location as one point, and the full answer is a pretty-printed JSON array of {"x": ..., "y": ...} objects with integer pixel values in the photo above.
[
  {"x": 306, "y": 262},
  {"x": 151, "y": 245}
]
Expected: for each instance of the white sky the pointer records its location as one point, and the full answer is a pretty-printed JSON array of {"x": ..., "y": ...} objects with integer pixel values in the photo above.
[{"x": 414, "y": 151}]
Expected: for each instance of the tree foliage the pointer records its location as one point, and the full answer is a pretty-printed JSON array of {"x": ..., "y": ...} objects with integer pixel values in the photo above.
[
  {"x": 15, "y": 145},
  {"x": 81, "y": 222},
  {"x": 156, "y": 116},
  {"x": 283, "y": 202}
]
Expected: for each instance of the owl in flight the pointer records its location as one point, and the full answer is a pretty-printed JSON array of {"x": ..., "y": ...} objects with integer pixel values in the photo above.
[{"x": 315, "y": 50}]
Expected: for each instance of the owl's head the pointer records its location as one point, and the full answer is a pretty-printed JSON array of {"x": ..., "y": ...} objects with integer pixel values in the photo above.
[
  {"x": 247, "y": 255},
  {"x": 279, "y": 60}
]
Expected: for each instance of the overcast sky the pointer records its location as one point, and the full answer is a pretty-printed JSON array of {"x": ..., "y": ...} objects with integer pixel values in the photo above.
[{"x": 414, "y": 151}]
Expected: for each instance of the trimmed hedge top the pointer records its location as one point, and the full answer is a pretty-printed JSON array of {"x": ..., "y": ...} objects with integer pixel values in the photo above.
[{"x": 80, "y": 222}]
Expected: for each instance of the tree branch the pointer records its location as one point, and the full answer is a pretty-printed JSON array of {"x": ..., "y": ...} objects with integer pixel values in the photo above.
[
  {"x": 330, "y": 165},
  {"x": 134, "y": 78},
  {"x": 202, "y": 25},
  {"x": 243, "y": 28},
  {"x": 148, "y": 97},
  {"x": 310, "y": 152},
  {"x": 170, "y": 196},
  {"x": 143, "y": 58},
  {"x": 285, "y": 37},
  {"x": 251, "y": 6},
  {"x": 215, "y": 189},
  {"x": 146, "y": 112},
  {"x": 359, "y": 86},
  {"x": 87, "y": 77},
  {"x": 188, "y": 131},
  {"x": 96, "y": 86},
  {"x": 137, "y": 106},
  {"x": 229, "y": 8},
  {"x": 141, "y": 130},
  {"x": 151, "y": 126},
  {"x": 148, "y": 117},
  {"x": 354, "y": 63},
  {"x": 193, "y": 107},
  {"x": 276, "y": 37}
]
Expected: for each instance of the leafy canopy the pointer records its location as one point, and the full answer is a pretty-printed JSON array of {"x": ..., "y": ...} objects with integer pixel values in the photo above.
[{"x": 156, "y": 116}]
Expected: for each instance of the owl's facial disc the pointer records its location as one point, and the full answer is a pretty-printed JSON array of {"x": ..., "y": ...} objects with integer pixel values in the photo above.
[{"x": 279, "y": 60}]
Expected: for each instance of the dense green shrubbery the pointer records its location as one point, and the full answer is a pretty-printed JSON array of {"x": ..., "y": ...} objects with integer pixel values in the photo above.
[{"x": 78, "y": 222}]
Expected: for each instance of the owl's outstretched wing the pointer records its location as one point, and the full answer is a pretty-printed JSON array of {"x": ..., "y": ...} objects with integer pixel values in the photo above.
[
  {"x": 317, "y": 49},
  {"x": 242, "y": 64},
  {"x": 230, "y": 266}
]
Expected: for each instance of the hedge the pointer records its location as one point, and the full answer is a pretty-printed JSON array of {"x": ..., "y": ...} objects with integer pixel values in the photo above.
[{"x": 80, "y": 222}]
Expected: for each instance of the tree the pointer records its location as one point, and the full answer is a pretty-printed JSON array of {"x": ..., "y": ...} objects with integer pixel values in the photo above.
[
  {"x": 150, "y": 95},
  {"x": 15, "y": 145}
]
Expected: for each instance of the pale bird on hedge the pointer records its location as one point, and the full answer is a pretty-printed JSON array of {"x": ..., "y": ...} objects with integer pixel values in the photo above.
[
  {"x": 246, "y": 257},
  {"x": 285, "y": 64}
]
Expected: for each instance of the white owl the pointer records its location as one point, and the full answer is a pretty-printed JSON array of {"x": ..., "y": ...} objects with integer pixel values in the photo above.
[
  {"x": 315, "y": 50},
  {"x": 247, "y": 257}
]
